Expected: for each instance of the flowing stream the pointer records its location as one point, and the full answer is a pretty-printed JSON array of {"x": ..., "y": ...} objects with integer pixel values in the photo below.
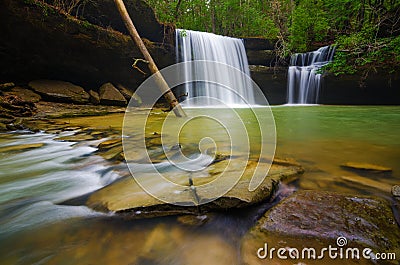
[{"x": 39, "y": 172}]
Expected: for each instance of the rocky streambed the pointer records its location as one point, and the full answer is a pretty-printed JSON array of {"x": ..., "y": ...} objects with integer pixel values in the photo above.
[{"x": 275, "y": 213}]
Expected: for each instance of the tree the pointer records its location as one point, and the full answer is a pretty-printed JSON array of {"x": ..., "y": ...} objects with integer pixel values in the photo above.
[{"x": 170, "y": 97}]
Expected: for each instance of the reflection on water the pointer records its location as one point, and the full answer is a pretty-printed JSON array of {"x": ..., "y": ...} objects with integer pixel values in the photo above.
[
  {"x": 34, "y": 229},
  {"x": 322, "y": 138}
]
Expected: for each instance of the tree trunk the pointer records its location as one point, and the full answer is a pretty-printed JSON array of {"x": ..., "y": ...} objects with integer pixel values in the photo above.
[{"x": 169, "y": 96}]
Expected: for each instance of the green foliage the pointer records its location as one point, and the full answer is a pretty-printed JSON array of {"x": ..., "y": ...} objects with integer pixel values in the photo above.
[
  {"x": 357, "y": 54},
  {"x": 363, "y": 31}
]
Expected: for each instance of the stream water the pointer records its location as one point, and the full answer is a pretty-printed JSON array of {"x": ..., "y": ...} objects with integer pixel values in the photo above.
[{"x": 36, "y": 229}]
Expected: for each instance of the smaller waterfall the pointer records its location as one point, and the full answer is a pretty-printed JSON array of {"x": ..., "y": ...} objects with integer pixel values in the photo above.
[
  {"x": 304, "y": 82},
  {"x": 195, "y": 45}
]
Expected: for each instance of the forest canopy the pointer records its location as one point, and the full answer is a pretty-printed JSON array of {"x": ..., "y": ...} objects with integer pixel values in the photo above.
[{"x": 366, "y": 32}]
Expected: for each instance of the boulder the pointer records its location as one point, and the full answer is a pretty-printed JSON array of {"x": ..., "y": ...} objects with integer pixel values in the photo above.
[
  {"x": 24, "y": 94},
  {"x": 20, "y": 147},
  {"x": 60, "y": 91},
  {"x": 127, "y": 197},
  {"x": 94, "y": 97},
  {"x": 109, "y": 95},
  {"x": 130, "y": 96},
  {"x": 318, "y": 219}
]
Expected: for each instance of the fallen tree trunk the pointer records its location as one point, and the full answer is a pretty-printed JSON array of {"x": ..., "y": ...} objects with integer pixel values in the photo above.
[{"x": 170, "y": 97}]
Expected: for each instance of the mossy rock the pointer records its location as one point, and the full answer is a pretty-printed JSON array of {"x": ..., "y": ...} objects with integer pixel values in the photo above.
[{"x": 317, "y": 219}]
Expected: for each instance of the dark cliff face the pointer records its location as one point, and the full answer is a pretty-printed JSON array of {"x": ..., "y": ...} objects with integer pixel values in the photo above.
[
  {"x": 39, "y": 42},
  {"x": 379, "y": 88},
  {"x": 105, "y": 14}
]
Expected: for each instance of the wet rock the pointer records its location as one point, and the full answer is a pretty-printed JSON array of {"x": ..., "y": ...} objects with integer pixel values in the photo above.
[
  {"x": 367, "y": 182},
  {"x": 109, "y": 144},
  {"x": 94, "y": 97},
  {"x": 20, "y": 148},
  {"x": 127, "y": 197},
  {"x": 114, "y": 153},
  {"x": 317, "y": 219},
  {"x": 366, "y": 166},
  {"x": 24, "y": 94},
  {"x": 109, "y": 95},
  {"x": 75, "y": 138},
  {"x": 60, "y": 91},
  {"x": 396, "y": 191}
]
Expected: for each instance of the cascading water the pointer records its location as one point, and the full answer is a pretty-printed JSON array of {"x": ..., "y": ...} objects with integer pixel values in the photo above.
[
  {"x": 304, "y": 81},
  {"x": 193, "y": 46}
]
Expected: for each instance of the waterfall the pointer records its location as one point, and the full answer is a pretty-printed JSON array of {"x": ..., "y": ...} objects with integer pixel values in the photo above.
[
  {"x": 194, "y": 45},
  {"x": 304, "y": 81}
]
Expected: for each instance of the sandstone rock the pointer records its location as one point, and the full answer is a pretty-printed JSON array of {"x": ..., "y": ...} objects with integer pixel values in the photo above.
[
  {"x": 60, "y": 91},
  {"x": 366, "y": 166},
  {"x": 109, "y": 95},
  {"x": 367, "y": 182},
  {"x": 24, "y": 94},
  {"x": 126, "y": 196},
  {"x": 75, "y": 138},
  {"x": 19, "y": 148},
  {"x": 317, "y": 219},
  {"x": 94, "y": 97},
  {"x": 105, "y": 145}
]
